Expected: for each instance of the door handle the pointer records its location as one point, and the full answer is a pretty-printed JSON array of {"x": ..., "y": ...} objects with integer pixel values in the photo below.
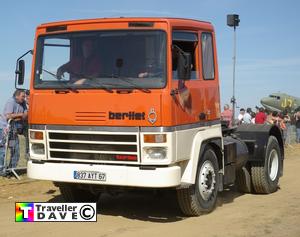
[{"x": 202, "y": 116}]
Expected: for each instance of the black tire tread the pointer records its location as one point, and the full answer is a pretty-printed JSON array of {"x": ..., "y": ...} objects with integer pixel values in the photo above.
[
  {"x": 188, "y": 201},
  {"x": 259, "y": 179},
  {"x": 259, "y": 175}
]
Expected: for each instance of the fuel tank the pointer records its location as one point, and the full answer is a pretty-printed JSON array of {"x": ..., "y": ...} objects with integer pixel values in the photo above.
[{"x": 235, "y": 152}]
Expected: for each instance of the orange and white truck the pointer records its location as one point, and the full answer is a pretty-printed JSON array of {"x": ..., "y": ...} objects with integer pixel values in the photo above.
[{"x": 120, "y": 103}]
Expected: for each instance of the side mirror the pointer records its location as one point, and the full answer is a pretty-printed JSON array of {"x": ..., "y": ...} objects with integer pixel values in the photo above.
[
  {"x": 20, "y": 72},
  {"x": 184, "y": 66}
]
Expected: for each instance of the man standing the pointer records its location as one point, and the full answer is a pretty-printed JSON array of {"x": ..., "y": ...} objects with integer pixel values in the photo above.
[
  {"x": 15, "y": 111},
  {"x": 25, "y": 130},
  {"x": 260, "y": 117},
  {"x": 226, "y": 115},
  {"x": 247, "y": 116},
  {"x": 241, "y": 116},
  {"x": 3, "y": 135},
  {"x": 297, "y": 116}
]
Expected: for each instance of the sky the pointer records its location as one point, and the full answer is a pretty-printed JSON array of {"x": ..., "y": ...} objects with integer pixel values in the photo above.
[{"x": 268, "y": 38}]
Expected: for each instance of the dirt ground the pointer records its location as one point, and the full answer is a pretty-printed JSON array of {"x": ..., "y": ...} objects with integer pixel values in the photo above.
[{"x": 148, "y": 214}]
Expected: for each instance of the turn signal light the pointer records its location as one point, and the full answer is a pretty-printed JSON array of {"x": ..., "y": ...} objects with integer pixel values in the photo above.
[
  {"x": 155, "y": 138},
  {"x": 36, "y": 135}
]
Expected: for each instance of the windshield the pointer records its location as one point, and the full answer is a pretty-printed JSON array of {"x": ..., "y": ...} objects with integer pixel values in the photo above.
[{"x": 103, "y": 59}]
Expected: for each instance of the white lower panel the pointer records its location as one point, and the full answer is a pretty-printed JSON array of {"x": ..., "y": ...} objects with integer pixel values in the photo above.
[{"x": 115, "y": 175}]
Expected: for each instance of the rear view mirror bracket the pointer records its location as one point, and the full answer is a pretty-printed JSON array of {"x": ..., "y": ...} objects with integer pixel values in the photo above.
[{"x": 20, "y": 69}]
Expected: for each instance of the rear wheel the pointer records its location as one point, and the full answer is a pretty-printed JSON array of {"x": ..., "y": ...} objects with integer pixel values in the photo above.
[
  {"x": 71, "y": 193},
  {"x": 201, "y": 198},
  {"x": 265, "y": 176}
]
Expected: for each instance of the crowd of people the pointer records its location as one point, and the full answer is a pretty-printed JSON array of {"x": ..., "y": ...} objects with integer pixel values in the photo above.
[
  {"x": 283, "y": 120},
  {"x": 14, "y": 122}
]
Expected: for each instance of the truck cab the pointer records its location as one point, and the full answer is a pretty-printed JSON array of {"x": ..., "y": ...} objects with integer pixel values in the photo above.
[{"x": 132, "y": 103}]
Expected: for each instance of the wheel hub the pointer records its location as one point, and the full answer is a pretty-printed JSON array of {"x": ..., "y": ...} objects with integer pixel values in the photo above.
[
  {"x": 273, "y": 164},
  {"x": 207, "y": 180}
]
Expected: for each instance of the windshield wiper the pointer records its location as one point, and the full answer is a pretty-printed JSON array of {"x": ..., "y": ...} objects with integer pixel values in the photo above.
[
  {"x": 135, "y": 86},
  {"x": 51, "y": 73},
  {"x": 66, "y": 90},
  {"x": 104, "y": 87}
]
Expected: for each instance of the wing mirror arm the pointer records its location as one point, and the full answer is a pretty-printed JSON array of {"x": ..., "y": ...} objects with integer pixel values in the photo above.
[{"x": 20, "y": 69}]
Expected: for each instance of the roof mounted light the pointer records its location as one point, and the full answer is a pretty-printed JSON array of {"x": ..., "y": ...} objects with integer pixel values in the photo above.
[
  {"x": 141, "y": 24},
  {"x": 56, "y": 28}
]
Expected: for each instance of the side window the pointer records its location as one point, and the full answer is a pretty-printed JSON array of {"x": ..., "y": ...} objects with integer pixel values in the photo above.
[
  {"x": 187, "y": 42},
  {"x": 208, "y": 66}
]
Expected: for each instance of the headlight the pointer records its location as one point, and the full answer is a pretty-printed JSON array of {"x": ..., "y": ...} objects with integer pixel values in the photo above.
[
  {"x": 155, "y": 153},
  {"x": 38, "y": 148}
]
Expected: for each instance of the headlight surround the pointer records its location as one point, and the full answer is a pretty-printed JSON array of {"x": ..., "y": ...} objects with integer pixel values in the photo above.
[
  {"x": 38, "y": 148},
  {"x": 37, "y": 144},
  {"x": 155, "y": 153}
]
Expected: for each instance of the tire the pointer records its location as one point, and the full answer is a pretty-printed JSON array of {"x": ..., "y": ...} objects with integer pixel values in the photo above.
[
  {"x": 265, "y": 176},
  {"x": 243, "y": 181},
  {"x": 71, "y": 193},
  {"x": 198, "y": 199}
]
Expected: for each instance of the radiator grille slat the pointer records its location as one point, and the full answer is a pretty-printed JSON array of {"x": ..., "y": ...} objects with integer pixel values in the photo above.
[{"x": 92, "y": 137}]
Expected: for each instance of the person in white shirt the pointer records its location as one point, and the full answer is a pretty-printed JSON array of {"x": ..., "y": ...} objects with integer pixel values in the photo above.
[
  {"x": 247, "y": 116},
  {"x": 241, "y": 116}
]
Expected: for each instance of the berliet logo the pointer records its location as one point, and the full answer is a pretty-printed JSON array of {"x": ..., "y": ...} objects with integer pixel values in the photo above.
[
  {"x": 55, "y": 212},
  {"x": 152, "y": 117},
  {"x": 132, "y": 115}
]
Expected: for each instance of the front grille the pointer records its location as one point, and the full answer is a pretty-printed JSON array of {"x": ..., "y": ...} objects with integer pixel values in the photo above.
[{"x": 92, "y": 146}]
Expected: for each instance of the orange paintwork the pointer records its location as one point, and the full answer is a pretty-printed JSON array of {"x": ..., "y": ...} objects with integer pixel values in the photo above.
[{"x": 91, "y": 107}]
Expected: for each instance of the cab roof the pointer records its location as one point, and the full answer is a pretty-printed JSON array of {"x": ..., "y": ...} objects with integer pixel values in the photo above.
[{"x": 170, "y": 21}]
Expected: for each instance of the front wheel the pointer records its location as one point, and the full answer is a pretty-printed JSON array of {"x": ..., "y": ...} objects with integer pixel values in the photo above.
[
  {"x": 201, "y": 198},
  {"x": 265, "y": 176},
  {"x": 71, "y": 193}
]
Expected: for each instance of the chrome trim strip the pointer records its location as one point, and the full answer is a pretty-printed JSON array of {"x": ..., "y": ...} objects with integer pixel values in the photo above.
[
  {"x": 180, "y": 127},
  {"x": 84, "y": 128},
  {"x": 37, "y": 126},
  {"x": 125, "y": 129}
]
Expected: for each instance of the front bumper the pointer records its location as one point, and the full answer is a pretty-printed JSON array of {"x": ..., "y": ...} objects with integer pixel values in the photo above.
[{"x": 115, "y": 174}]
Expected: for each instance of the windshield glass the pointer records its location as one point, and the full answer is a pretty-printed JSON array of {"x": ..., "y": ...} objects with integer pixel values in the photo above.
[{"x": 102, "y": 59}]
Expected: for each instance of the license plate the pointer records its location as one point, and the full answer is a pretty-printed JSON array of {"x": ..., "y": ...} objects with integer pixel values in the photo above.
[{"x": 89, "y": 175}]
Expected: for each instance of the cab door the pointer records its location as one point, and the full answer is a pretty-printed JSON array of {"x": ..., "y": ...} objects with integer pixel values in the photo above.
[
  {"x": 187, "y": 103},
  {"x": 197, "y": 98}
]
